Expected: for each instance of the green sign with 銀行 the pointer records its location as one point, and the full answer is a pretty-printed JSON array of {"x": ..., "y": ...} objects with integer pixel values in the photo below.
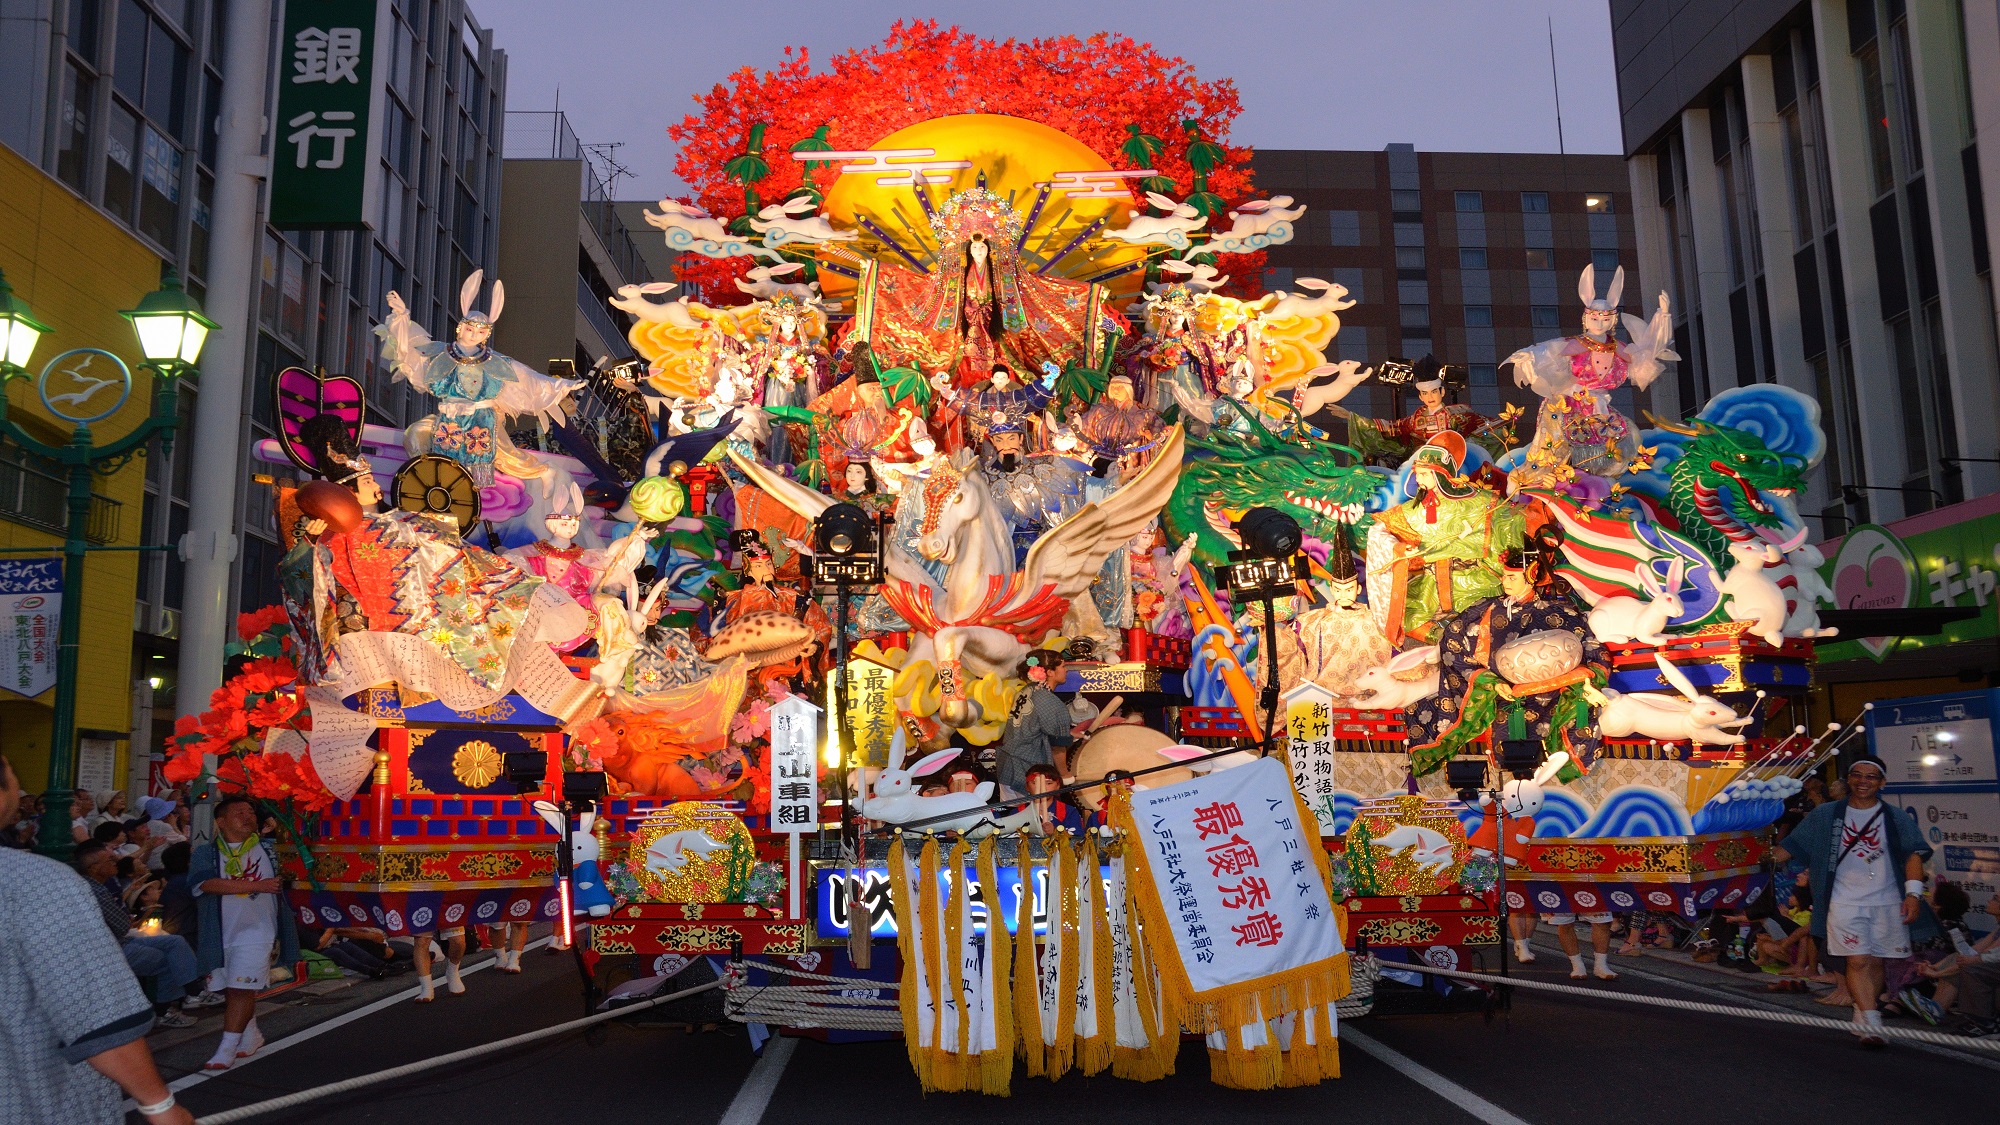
[{"x": 325, "y": 168}]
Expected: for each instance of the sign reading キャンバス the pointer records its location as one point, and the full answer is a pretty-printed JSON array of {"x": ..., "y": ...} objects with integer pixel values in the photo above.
[
  {"x": 325, "y": 162},
  {"x": 30, "y": 605}
]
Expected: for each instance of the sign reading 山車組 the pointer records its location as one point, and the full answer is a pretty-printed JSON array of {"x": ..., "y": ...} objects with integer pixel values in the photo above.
[
  {"x": 332, "y": 71},
  {"x": 30, "y": 618}
]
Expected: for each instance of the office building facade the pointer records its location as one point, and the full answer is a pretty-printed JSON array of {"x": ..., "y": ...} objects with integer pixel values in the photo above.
[
  {"x": 1467, "y": 256},
  {"x": 116, "y": 101},
  {"x": 1808, "y": 181}
]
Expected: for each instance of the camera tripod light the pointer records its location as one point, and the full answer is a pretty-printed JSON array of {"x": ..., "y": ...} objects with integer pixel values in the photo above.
[
  {"x": 847, "y": 547},
  {"x": 1466, "y": 775}
]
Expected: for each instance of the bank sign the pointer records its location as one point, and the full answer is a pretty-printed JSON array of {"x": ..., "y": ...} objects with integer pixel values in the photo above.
[
  {"x": 332, "y": 71},
  {"x": 1949, "y": 558}
]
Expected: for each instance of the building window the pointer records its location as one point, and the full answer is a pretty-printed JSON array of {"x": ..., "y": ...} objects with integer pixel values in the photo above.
[
  {"x": 1416, "y": 316},
  {"x": 1409, "y": 257},
  {"x": 1351, "y": 278},
  {"x": 1406, "y": 200},
  {"x": 73, "y": 135},
  {"x": 1875, "y": 110},
  {"x": 1468, "y": 201},
  {"x": 1479, "y": 316},
  {"x": 1409, "y": 234},
  {"x": 1343, "y": 228},
  {"x": 1605, "y": 260},
  {"x": 1597, "y": 204},
  {"x": 1541, "y": 259},
  {"x": 1535, "y": 202},
  {"x": 1472, "y": 258},
  {"x": 160, "y": 191},
  {"x": 121, "y": 163},
  {"x": 1544, "y": 316},
  {"x": 1483, "y": 374}
]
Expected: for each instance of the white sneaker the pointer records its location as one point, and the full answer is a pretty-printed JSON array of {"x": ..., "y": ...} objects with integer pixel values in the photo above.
[{"x": 204, "y": 999}]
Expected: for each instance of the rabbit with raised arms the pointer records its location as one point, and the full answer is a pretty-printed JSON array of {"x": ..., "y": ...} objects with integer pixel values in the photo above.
[
  {"x": 1809, "y": 590},
  {"x": 896, "y": 800},
  {"x": 1622, "y": 619},
  {"x": 1521, "y": 800},
  {"x": 588, "y": 894},
  {"x": 1753, "y": 595},
  {"x": 1694, "y": 717}
]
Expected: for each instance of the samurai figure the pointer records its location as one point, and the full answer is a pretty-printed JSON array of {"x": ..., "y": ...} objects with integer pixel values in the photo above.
[
  {"x": 476, "y": 387},
  {"x": 1473, "y": 697},
  {"x": 1438, "y": 552},
  {"x": 1117, "y": 426}
]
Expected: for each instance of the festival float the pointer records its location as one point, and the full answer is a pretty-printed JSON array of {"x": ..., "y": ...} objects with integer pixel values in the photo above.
[{"x": 986, "y": 528}]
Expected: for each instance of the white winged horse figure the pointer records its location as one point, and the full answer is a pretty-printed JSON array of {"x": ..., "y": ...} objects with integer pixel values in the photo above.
[{"x": 988, "y": 612}]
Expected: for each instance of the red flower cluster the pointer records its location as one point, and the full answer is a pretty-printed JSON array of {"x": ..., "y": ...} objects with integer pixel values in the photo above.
[
  {"x": 261, "y": 698},
  {"x": 1090, "y": 89}
]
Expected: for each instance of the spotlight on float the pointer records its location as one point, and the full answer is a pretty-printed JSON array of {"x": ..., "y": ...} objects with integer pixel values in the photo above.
[
  {"x": 526, "y": 769},
  {"x": 847, "y": 547},
  {"x": 1521, "y": 757},
  {"x": 1467, "y": 776},
  {"x": 580, "y": 788},
  {"x": 1269, "y": 564}
]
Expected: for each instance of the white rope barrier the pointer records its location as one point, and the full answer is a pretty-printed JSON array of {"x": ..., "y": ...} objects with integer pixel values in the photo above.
[
  {"x": 814, "y": 1005},
  {"x": 1920, "y": 1035},
  {"x": 258, "y": 1109}
]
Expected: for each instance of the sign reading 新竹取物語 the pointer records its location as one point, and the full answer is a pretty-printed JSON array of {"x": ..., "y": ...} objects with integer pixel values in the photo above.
[
  {"x": 30, "y": 618},
  {"x": 325, "y": 162}
]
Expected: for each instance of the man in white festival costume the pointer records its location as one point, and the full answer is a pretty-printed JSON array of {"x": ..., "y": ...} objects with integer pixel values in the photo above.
[{"x": 1866, "y": 862}]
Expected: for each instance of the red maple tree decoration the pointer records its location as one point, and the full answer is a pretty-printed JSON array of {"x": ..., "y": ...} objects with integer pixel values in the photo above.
[
  {"x": 260, "y": 698},
  {"x": 1090, "y": 89}
]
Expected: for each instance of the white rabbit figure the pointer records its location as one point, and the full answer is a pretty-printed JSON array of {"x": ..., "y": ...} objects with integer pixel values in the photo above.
[
  {"x": 620, "y": 641},
  {"x": 1523, "y": 798},
  {"x": 897, "y": 802},
  {"x": 1809, "y": 589},
  {"x": 1386, "y": 687},
  {"x": 1695, "y": 717},
  {"x": 1623, "y": 618},
  {"x": 1170, "y": 229},
  {"x": 1753, "y": 595},
  {"x": 588, "y": 893}
]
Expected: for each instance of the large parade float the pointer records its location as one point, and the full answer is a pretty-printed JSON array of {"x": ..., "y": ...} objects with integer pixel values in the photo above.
[{"x": 970, "y": 522}]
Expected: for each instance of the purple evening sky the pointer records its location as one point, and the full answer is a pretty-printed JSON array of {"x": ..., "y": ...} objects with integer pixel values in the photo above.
[{"x": 1471, "y": 75}]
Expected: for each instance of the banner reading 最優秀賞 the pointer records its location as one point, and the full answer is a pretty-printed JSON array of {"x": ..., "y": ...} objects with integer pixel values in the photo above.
[
  {"x": 332, "y": 70},
  {"x": 1232, "y": 873},
  {"x": 30, "y": 618}
]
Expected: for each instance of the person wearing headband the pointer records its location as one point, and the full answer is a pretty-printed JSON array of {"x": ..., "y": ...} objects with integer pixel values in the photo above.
[
  {"x": 1865, "y": 861},
  {"x": 1442, "y": 544}
]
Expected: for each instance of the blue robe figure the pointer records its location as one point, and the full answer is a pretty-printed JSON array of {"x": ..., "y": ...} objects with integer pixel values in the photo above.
[{"x": 477, "y": 388}]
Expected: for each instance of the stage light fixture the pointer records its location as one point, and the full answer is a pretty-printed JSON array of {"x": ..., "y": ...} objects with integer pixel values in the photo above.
[
  {"x": 847, "y": 547},
  {"x": 1521, "y": 757},
  {"x": 583, "y": 787},
  {"x": 1466, "y": 776},
  {"x": 526, "y": 769}
]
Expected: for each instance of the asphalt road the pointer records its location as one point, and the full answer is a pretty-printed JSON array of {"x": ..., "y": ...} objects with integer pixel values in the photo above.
[{"x": 1552, "y": 1061}]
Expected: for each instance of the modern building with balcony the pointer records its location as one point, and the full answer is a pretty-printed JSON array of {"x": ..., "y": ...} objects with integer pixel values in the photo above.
[{"x": 1465, "y": 255}]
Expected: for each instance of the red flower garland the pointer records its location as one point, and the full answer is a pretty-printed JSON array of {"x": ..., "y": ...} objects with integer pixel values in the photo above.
[
  {"x": 260, "y": 698},
  {"x": 1090, "y": 89}
]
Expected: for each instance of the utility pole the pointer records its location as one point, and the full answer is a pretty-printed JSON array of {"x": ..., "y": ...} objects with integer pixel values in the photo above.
[{"x": 210, "y": 544}]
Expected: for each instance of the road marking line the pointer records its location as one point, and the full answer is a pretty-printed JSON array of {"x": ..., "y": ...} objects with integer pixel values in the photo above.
[
  {"x": 755, "y": 1095},
  {"x": 1423, "y": 1076},
  {"x": 297, "y": 1037}
]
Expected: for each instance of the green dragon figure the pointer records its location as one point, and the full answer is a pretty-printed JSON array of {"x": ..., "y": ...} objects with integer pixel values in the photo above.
[
  {"x": 1319, "y": 483},
  {"x": 1717, "y": 487}
]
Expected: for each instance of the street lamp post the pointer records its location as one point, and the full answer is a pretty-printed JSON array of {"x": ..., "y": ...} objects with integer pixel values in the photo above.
[{"x": 171, "y": 328}]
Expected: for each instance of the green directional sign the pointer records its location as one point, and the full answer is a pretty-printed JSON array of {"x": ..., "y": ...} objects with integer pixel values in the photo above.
[{"x": 325, "y": 162}]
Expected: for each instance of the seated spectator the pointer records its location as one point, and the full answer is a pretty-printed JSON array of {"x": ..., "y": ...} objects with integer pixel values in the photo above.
[
  {"x": 110, "y": 806},
  {"x": 364, "y": 950},
  {"x": 111, "y": 834},
  {"x": 1970, "y": 977},
  {"x": 74, "y": 1036},
  {"x": 1907, "y": 988},
  {"x": 161, "y": 829},
  {"x": 178, "y": 914},
  {"x": 165, "y": 961},
  {"x": 81, "y": 807}
]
